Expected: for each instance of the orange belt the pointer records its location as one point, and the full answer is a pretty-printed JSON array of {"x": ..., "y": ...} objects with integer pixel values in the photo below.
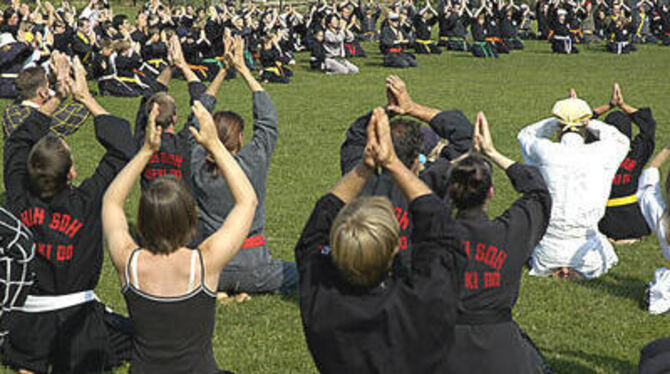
[
  {"x": 253, "y": 242},
  {"x": 201, "y": 68},
  {"x": 494, "y": 39},
  {"x": 395, "y": 50}
]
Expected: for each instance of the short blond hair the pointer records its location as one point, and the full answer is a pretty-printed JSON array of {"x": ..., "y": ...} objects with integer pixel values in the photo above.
[{"x": 363, "y": 238}]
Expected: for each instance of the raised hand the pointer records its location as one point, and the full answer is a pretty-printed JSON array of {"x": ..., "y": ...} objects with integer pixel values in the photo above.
[
  {"x": 573, "y": 93},
  {"x": 403, "y": 102},
  {"x": 208, "y": 137},
  {"x": 384, "y": 153},
  {"x": 152, "y": 138},
  {"x": 617, "y": 96},
  {"x": 79, "y": 86},
  {"x": 483, "y": 142}
]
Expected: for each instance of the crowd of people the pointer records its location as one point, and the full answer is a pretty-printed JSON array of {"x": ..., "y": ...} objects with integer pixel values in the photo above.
[
  {"x": 399, "y": 267},
  {"x": 126, "y": 58}
]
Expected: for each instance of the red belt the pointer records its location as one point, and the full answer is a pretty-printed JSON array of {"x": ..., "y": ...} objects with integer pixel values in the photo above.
[
  {"x": 395, "y": 50},
  {"x": 253, "y": 242}
]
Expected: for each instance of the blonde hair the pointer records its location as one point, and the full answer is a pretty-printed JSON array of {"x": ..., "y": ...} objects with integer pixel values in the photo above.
[{"x": 363, "y": 238}]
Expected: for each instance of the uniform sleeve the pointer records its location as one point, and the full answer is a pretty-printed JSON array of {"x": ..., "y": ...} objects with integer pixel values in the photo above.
[
  {"x": 644, "y": 142},
  {"x": 650, "y": 197},
  {"x": 351, "y": 151},
  {"x": 261, "y": 146},
  {"x": 455, "y": 127},
  {"x": 113, "y": 133},
  {"x": 195, "y": 91},
  {"x": 530, "y": 214},
  {"x": 613, "y": 145},
  {"x": 535, "y": 145},
  {"x": 16, "y": 150},
  {"x": 316, "y": 233},
  {"x": 436, "y": 176}
]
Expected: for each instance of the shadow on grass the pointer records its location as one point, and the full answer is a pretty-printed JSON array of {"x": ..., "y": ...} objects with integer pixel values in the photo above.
[
  {"x": 620, "y": 286},
  {"x": 568, "y": 363}
]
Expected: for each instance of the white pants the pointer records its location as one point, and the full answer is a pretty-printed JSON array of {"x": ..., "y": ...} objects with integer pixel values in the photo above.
[
  {"x": 590, "y": 254},
  {"x": 340, "y": 66}
]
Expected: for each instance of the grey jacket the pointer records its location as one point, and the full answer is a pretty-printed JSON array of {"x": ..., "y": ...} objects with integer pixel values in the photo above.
[{"x": 211, "y": 192}]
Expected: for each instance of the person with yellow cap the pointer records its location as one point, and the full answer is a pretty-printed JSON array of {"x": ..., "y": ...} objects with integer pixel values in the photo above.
[{"x": 579, "y": 177}]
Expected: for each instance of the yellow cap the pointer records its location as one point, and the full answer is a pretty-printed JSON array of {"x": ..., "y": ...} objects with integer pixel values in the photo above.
[{"x": 572, "y": 112}]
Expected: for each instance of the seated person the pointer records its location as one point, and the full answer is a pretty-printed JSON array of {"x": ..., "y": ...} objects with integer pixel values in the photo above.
[
  {"x": 481, "y": 47},
  {"x": 317, "y": 60},
  {"x": 273, "y": 68},
  {"x": 452, "y": 27},
  {"x": 252, "y": 270},
  {"x": 509, "y": 30},
  {"x": 623, "y": 222},
  {"x": 642, "y": 26},
  {"x": 562, "y": 40},
  {"x": 393, "y": 42},
  {"x": 103, "y": 70},
  {"x": 654, "y": 208},
  {"x": 423, "y": 23},
  {"x": 333, "y": 44},
  {"x": 579, "y": 176},
  {"x": 487, "y": 340},
  {"x": 357, "y": 316},
  {"x": 619, "y": 41}
]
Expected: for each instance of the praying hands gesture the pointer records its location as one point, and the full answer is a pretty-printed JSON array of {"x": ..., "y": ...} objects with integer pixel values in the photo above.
[
  {"x": 152, "y": 138},
  {"x": 483, "y": 143}
]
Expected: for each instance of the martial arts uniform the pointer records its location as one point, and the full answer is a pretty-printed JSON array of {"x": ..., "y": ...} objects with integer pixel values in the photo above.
[
  {"x": 174, "y": 156},
  {"x": 84, "y": 48},
  {"x": 562, "y": 41},
  {"x": 273, "y": 69},
  {"x": 451, "y": 125},
  {"x": 655, "y": 357},
  {"x": 493, "y": 35},
  {"x": 480, "y": 46},
  {"x": 109, "y": 84},
  {"x": 127, "y": 65},
  {"x": 369, "y": 25},
  {"x": 619, "y": 42},
  {"x": 623, "y": 218},
  {"x": 487, "y": 340},
  {"x": 404, "y": 324},
  {"x": 579, "y": 177},
  {"x": 665, "y": 21},
  {"x": 423, "y": 43},
  {"x": 12, "y": 58},
  {"x": 654, "y": 209},
  {"x": 333, "y": 43},
  {"x": 452, "y": 32},
  {"x": 393, "y": 50},
  {"x": 154, "y": 56},
  {"x": 317, "y": 59},
  {"x": 253, "y": 269},
  {"x": 642, "y": 27},
  {"x": 62, "y": 324},
  {"x": 509, "y": 31}
]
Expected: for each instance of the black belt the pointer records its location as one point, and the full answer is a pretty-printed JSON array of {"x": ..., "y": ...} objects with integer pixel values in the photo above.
[{"x": 484, "y": 317}]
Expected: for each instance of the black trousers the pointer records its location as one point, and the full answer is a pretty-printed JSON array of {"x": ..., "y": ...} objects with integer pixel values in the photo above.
[{"x": 400, "y": 60}]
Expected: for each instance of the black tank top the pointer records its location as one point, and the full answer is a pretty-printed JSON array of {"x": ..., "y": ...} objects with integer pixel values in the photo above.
[{"x": 171, "y": 334}]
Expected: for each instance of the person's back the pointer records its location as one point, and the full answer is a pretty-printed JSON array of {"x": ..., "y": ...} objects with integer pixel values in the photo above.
[
  {"x": 154, "y": 302},
  {"x": 358, "y": 318},
  {"x": 579, "y": 177}
]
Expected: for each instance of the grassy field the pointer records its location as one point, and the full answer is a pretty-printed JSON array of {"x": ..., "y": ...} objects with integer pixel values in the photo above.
[{"x": 583, "y": 327}]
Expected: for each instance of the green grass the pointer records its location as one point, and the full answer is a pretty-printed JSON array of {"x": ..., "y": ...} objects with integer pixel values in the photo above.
[{"x": 583, "y": 327}]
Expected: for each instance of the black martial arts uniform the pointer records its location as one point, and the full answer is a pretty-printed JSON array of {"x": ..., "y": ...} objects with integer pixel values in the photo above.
[
  {"x": 619, "y": 42},
  {"x": 317, "y": 59},
  {"x": 450, "y": 125},
  {"x": 623, "y": 218},
  {"x": 174, "y": 156},
  {"x": 67, "y": 229},
  {"x": 655, "y": 357},
  {"x": 402, "y": 325},
  {"x": 509, "y": 30},
  {"x": 109, "y": 83},
  {"x": 452, "y": 32},
  {"x": 273, "y": 69},
  {"x": 423, "y": 43},
  {"x": 154, "y": 56},
  {"x": 562, "y": 40},
  {"x": 83, "y": 48},
  {"x": 12, "y": 58},
  {"x": 487, "y": 340},
  {"x": 480, "y": 46},
  {"x": 394, "y": 54}
]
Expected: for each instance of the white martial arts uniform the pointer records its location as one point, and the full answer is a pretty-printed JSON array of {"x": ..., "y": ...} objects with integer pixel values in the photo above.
[
  {"x": 653, "y": 207},
  {"x": 579, "y": 177}
]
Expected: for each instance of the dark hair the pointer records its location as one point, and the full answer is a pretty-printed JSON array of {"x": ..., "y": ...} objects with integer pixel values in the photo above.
[
  {"x": 407, "y": 140},
  {"x": 167, "y": 109},
  {"x": 118, "y": 20},
  {"x": 329, "y": 18},
  {"x": 29, "y": 81},
  {"x": 469, "y": 182},
  {"x": 229, "y": 126},
  {"x": 82, "y": 21},
  {"x": 166, "y": 217},
  {"x": 49, "y": 163}
]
